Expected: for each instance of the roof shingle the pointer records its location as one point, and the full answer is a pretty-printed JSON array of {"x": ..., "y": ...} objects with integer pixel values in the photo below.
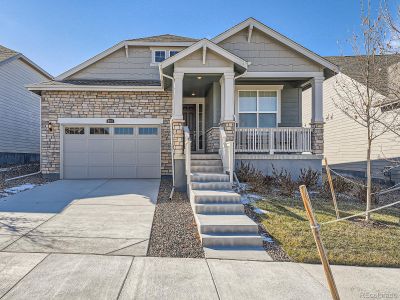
[
  {"x": 165, "y": 38},
  {"x": 6, "y": 53}
]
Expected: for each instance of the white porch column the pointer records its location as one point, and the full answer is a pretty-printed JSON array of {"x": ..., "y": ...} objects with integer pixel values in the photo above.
[
  {"x": 229, "y": 101},
  {"x": 222, "y": 83},
  {"x": 317, "y": 100},
  {"x": 177, "y": 96}
]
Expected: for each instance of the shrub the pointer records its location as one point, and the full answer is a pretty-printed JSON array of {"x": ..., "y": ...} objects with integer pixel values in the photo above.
[
  {"x": 309, "y": 178},
  {"x": 258, "y": 182},
  {"x": 360, "y": 193},
  {"x": 283, "y": 179},
  {"x": 340, "y": 185}
]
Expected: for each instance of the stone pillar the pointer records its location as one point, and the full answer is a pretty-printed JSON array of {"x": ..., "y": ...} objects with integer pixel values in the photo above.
[
  {"x": 178, "y": 139},
  {"x": 317, "y": 137},
  {"x": 212, "y": 140},
  {"x": 229, "y": 127},
  {"x": 317, "y": 118},
  {"x": 177, "y": 102}
]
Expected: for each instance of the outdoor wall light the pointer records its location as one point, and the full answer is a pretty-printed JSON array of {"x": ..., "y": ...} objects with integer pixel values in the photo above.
[
  {"x": 193, "y": 94},
  {"x": 50, "y": 126},
  {"x": 199, "y": 77}
]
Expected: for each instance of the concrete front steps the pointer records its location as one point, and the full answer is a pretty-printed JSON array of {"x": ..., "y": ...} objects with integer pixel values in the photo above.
[{"x": 224, "y": 228}]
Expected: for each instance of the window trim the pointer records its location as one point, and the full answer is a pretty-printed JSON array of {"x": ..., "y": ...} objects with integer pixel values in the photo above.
[
  {"x": 257, "y": 89},
  {"x": 167, "y": 54}
]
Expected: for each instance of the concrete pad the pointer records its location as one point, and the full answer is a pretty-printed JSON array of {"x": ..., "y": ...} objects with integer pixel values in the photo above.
[
  {"x": 69, "y": 276},
  {"x": 14, "y": 266},
  {"x": 264, "y": 280},
  {"x": 238, "y": 253},
  {"x": 132, "y": 192},
  {"x": 49, "y": 198},
  {"x": 137, "y": 249},
  {"x": 361, "y": 282},
  {"x": 21, "y": 223},
  {"x": 50, "y": 244},
  {"x": 169, "y": 278},
  {"x": 106, "y": 221},
  {"x": 6, "y": 240}
]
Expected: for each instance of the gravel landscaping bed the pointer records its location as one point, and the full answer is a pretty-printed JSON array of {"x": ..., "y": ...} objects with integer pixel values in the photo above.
[{"x": 174, "y": 231}]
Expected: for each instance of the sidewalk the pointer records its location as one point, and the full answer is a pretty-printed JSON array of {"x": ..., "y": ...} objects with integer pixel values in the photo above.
[{"x": 71, "y": 276}]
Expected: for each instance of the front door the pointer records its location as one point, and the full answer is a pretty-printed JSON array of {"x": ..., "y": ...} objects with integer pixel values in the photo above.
[{"x": 193, "y": 115}]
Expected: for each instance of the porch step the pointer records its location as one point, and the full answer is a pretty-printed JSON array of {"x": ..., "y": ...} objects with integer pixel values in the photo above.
[
  {"x": 218, "y": 208},
  {"x": 211, "y": 185},
  {"x": 231, "y": 239},
  {"x": 215, "y": 196},
  {"x": 226, "y": 224},
  {"x": 206, "y": 162},
  {"x": 207, "y": 169},
  {"x": 204, "y": 177},
  {"x": 206, "y": 156}
]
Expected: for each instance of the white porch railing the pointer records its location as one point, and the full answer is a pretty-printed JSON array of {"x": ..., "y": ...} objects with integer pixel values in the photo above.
[
  {"x": 282, "y": 139},
  {"x": 226, "y": 151},
  {"x": 188, "y": 149}
]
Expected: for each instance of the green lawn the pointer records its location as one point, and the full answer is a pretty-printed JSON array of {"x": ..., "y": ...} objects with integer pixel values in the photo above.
[{"x": 347, "y": 242}]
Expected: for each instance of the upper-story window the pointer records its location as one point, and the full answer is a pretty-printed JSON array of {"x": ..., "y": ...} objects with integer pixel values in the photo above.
[{"x": 161, "y": 55}]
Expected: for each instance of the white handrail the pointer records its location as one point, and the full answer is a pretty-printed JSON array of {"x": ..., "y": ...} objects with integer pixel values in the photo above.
[
  {"x": 226, "y": 151},
  {"x": 282, "y": 139},
  {"x": 188, "y": 149}
]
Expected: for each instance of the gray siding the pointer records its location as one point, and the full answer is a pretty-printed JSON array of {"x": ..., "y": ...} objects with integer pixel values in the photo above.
[
  {"x": 117, "y": 66},
  {"x": 19, "y": 108},
  {"x": 290, "y": 107},
  {"x": 213, "y": 106},
  {"x": 345, "y": 140},
  {"x": 267, "y": 54},
  {"x": 195, "y": 59}
]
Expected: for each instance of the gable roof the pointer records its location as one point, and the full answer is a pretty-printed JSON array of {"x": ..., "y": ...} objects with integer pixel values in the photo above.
[
  {"x": 165, "y": 38},
  {"x": 251, "y": 22},
  {"x": 353, "y": 66},
  {"x": 7, "y": 55},
  {"x": 208, "y": 44}
]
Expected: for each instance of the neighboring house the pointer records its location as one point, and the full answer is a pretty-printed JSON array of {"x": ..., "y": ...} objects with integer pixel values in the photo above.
[
  {"x": 117, "y": 114},
  {"x": 346, "y": 140},
  {"x": 19, "y": 108}
]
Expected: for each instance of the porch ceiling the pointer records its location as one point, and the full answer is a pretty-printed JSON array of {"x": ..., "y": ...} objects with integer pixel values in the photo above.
[{"x": 198, "y": 84}]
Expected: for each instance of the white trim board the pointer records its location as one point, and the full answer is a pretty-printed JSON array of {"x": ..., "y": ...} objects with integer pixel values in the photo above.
[
  {"x": 105, "y": 88},
  {"x": 117, "y": 121},
  {"x": 277, "y": 36}
]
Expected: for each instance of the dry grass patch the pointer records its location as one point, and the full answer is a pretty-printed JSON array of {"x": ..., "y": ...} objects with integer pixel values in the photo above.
[{"x": 352, "y": 242}]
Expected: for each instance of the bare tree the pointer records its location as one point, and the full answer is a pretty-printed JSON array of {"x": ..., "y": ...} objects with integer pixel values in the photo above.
[{"x": 362, "y": 95}]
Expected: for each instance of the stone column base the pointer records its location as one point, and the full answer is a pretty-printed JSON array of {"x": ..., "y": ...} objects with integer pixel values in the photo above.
[
  {"x": 212, "y": 140},
  {"x": 317, "y": 137},
  {"x": 229, "y": 127},
  {"x": 178, "y": 136}
]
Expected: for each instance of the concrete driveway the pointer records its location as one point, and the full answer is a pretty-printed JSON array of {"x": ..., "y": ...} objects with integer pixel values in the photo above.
[{"x": 80, "y": 216}]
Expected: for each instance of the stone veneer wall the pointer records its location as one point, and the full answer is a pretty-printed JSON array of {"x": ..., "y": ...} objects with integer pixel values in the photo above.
[
  {"x": 229, "y": 127},
  {"x": 212, "y": 140},
  {"x": 178, "y": 138},
  {"x": 66, "y": 104},
  {"x": 317, "y": 138}
]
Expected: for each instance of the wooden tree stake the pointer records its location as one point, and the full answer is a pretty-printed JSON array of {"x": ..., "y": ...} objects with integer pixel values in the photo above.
[
  {"x": 320, "y": 246},
  {"x": 328, "y": 173}
]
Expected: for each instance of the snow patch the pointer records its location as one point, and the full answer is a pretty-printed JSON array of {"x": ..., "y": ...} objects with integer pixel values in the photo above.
[
  {"x": 259, "y": 211},
  {"x": 267, "y": 239},
  {"x": 19, "y": 188}
]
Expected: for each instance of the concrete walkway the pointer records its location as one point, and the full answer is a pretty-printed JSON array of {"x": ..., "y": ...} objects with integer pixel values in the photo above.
[
  {"x": 82, "y": 276},
  {"x": 80, "y": 216}
]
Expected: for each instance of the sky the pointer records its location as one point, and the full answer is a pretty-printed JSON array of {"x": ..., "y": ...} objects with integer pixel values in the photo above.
[{"x": 60, "y": 34}]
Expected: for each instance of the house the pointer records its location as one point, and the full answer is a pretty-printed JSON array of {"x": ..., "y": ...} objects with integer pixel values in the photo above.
[
  {"x": 19, "y": 108},
  {"x": 121, "y": 114},
  {"x": 346, "y": 153}
]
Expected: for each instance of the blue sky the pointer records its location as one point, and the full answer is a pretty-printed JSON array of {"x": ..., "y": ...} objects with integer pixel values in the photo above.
[{"x": 58, "y": 35}]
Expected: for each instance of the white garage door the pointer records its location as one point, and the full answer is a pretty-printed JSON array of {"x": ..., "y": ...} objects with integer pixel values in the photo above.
[{"x": 111, "y": 152}]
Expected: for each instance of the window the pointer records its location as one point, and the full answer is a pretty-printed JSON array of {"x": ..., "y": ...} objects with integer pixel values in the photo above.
[
  {"x": 258, "y": 108},
  {"x": 99, "y": 130},
  {"x": 173, "y": 52},
  {"x": 159, "y": 56},
  {"x": 123, "y": 131},
  {"x": 148, "y": 131},
  {"x": 74, "y": 130}
]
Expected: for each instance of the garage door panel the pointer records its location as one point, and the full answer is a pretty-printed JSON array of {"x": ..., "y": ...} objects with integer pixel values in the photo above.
[
  {"x": 75, "y": 158},
  {"x": 100, "y": 159},
  {"x": 122, "y": 145},
  {"x": 124, "y": 172},
  {"x": 99, "y": 172},
  {"x": 75, "y": 145},
  {"x": 75, "y": 172},
  {"x": 149, "y": 145},
  {"x": 149, "y": 159},
  {"x": 148, "y": 172},
  {"x": 100, "y": 145},
  {"x": 111, "y": 156},
  {"x": 125, "y": 159}
]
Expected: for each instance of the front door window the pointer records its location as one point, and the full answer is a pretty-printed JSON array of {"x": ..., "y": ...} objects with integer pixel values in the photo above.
[{"x": 189, "y": 115}]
